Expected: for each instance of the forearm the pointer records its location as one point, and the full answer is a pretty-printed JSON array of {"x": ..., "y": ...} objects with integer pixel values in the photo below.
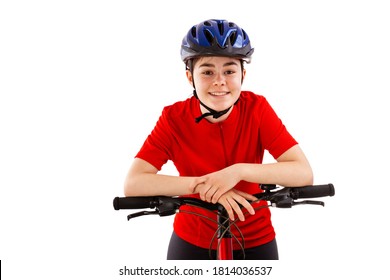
[
  {"x": 292, "y": 174},
  {"x": 149, "y": 184}
]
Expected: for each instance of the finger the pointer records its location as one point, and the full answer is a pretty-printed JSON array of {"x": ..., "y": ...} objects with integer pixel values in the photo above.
[
  {"x": 229, "y": 210},
  {"x": 238, "y": 210},
  {"x": 226, "y": 205},
  {"x": 243, "y": 198},
  {"x": 217, "y": 195},
  {"x": 203, "y": 192},
  {"x": 247, "y": 196},
  {"x": 211, "y": 194},
  {"x": 247, "y": 205},
  {"x": 241, "y": 202}
]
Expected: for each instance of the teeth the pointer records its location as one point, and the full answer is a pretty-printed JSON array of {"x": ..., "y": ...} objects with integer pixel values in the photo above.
[{"x": 218, "y": 93}]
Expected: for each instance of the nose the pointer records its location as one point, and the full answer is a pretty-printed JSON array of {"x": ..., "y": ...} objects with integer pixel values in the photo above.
[{"x": 219, "y": 80}]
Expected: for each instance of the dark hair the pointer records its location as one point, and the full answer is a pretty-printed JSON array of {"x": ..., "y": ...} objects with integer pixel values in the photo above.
[{"x": 191, "y": 62}]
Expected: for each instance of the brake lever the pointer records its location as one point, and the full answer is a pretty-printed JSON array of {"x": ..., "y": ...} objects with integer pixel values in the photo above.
[
  {"x": 142, "y": 213},
  {"x": 312, "y": 202},
  {"x": 288, "y": 202}
]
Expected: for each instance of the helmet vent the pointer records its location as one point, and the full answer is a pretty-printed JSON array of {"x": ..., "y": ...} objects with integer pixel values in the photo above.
[
  {"x": 220, "y": 28},
  {"x": 244, "y": 34},
  {"x": 209, "y": 36},
  {"x": 193, "y": 31},
  {"x": 233, "y": 38}
]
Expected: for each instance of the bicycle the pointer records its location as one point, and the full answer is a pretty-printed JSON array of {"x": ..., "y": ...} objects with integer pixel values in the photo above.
[{"x": 282, "y": 197}]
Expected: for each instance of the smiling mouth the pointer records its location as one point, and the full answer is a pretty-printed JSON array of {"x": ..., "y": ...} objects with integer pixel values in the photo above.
[{"x": 218, "y": 93}]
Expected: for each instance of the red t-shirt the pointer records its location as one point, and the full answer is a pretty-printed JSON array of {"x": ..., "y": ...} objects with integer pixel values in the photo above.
[{"x": 197, "y": 149}]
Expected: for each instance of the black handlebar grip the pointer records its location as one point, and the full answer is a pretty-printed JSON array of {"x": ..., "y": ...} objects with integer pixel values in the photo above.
[
  {"x": 136, "y": 202},
  {"x": 313, "y": 191}
]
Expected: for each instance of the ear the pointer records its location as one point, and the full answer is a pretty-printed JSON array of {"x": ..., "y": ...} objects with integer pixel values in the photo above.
[
  {"x": 189, "y": 77},
  {"x": 243, "y": 75}
]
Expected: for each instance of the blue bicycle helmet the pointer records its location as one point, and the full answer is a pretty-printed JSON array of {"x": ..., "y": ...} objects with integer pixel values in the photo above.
[{"x": 216, "y": 37}]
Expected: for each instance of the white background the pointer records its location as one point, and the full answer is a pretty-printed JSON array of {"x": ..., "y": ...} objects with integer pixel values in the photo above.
[{"x": 82, "y": 83}]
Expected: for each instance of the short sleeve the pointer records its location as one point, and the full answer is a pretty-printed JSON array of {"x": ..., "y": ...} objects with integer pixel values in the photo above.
[
  {"x": 156, "y": 148},
  {"x": 274, "y": 135}
]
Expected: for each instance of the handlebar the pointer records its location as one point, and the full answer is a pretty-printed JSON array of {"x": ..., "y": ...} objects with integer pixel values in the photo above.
[
  {"x": 284, "y": 197},
  {"x": 313, "y": 191}
]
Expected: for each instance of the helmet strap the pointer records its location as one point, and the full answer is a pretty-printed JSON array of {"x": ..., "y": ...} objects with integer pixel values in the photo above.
[{"x": 211, "y": 112}]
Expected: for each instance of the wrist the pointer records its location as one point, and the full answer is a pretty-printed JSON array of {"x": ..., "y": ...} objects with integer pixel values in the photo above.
[{"x": 238, "y": 171}]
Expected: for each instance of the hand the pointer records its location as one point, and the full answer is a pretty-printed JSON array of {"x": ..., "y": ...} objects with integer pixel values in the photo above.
[
  {"x": 231, "y": 200},
  {"x": 212, "y": 186}
]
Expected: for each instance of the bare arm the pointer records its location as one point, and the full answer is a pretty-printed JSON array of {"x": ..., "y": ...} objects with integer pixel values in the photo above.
[
  {"x": 291, "y": 169},
  {"x": 143, "y": 180}
]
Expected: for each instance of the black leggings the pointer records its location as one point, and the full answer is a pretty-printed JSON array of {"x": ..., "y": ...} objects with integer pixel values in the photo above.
[{"x": 180, "y": 249}]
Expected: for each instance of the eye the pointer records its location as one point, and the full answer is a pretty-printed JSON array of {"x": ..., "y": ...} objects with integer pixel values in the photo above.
[
  {"x": 230, "y": 72},
  {"x": 208, "y": 72}
]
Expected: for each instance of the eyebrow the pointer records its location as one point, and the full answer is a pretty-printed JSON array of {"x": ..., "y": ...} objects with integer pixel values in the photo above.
[{"x": 212, "y": 65}]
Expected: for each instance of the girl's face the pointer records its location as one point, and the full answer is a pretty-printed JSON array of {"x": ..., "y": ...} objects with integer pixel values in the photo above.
[{"x": 217, "y": 81}]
